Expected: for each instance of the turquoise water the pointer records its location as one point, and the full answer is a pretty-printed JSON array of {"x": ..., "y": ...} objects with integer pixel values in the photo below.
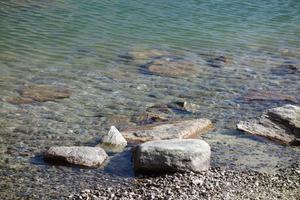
[
  {"x": 60, "y": 31},
  {"x": 84, "y": 46}
]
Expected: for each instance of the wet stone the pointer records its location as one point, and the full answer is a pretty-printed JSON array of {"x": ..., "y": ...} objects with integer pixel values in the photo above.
[{"x": 172, "y": 130}]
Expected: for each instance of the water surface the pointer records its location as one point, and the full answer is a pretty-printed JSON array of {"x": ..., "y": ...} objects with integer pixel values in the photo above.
[{"x": 81, "y": 45}]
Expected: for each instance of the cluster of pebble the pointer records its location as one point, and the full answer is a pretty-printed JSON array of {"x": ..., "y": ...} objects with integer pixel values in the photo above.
[{"x": 216, "y": 183}]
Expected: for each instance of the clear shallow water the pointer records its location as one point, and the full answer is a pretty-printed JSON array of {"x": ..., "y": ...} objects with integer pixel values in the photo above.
[{"x": 78, "y": 44}]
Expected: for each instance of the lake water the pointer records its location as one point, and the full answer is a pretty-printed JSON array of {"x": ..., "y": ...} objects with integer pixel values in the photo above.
[{"x": 84, "y": 46}]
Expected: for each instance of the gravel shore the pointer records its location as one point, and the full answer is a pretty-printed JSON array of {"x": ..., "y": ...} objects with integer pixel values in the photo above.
[{"x": 216, "y": 183}]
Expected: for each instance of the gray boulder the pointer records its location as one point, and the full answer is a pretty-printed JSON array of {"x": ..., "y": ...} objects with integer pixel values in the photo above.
[
  {"x": 78, "y": 155},
  {"x": 280, "y": 124},
  {"x": 172, "y": 156},
  {"x": 178, "y": 129}
]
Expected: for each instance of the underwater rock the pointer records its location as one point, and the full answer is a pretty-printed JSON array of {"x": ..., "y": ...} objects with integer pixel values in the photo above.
[
  {"x": 149, "y": 118},
  {"x": 78, "y": 155},
  {"x": 114, "y": 139},
  {"x": 42, "y": 93},
  {"x": 174, "y": 155},
  {"x": 185, "y": 106},
  {"x": 217, "y": 62},
  {"x": 144, "y": 54},
  {"x": 39, "y": 93},
  {"x": 171, "y": 67},
  {"x": 268, "y": 96},
  {"x": 286, "y": 68},
  {"x": 280, "y": 124},
  {"x": 172, "y": 130},
  {"x": 19, "y": 100}
]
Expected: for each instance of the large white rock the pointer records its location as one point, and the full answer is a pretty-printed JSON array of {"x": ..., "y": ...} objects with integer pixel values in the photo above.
[
  {"x": 114, "y": 138},
  {"x": 78, "y": 155},
  {"x": 172, "y": 155}
]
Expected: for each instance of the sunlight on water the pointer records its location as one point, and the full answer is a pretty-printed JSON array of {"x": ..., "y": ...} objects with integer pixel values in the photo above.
[{"x": 85, "y": 47}]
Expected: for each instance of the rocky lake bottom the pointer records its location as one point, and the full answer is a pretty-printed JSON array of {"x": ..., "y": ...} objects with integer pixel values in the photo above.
[{"x": 67, "y": 106}]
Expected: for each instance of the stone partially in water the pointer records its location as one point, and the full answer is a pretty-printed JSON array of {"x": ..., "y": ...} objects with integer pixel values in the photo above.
[
  {"x": 268, "y": 96},
  {"x": 288, "y": 115},
  {"x": 280, "y": 124},
  {"x": 42, "y": 93},
  {"x": 78, "y": 155},
  {"x": 178, "y": 129},
  {"x": 173, "y": 67},
  {"x": 172, "y": 156},
  {"x": 114, "y": 139}
]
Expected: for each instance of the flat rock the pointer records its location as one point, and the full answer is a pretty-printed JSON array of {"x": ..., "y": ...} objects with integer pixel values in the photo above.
[
  {"x": 177, "y": 129},
  {"x": 78, "y": 155},
  {"x": 280, "y": 124},
  {"x": 172, "y": 156},
  {"x": 42, "y": 93},
  {"x": 147, "y": 54},
  {"x": 173, "y": 67},
  {"x": 268, "y": 96}
]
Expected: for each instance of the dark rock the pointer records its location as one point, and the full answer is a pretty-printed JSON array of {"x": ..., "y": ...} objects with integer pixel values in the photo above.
[
  {"x": 217, "y": 62},
  {"x": 286, "y": 68}
]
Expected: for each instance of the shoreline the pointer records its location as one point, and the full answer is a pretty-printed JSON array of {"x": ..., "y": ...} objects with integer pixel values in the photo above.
[{"x": 216, "y": 183}]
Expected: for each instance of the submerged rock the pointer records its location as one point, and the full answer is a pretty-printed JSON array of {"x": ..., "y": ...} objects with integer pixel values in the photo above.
[
  {"x": 268, "y": 96},
  {"x": 149, "y": 118},
  {"x": 145, "y": 54},
  {"x": 172, "y": 156},
  {"x": 19, "y": 100},
  {"x": 177, "y": 129},
  {"x": 114, "y": 139},
  {"x": 218, "y": 61},
  {"x": 280, "y": 124},
  {"x": 286, "y": 68},
  {"x": 185, "y": 106},
  {"x": 78, "y": 155},
  {"x": 40, "y": 93},
  {"x": 172, "y": 67}
]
